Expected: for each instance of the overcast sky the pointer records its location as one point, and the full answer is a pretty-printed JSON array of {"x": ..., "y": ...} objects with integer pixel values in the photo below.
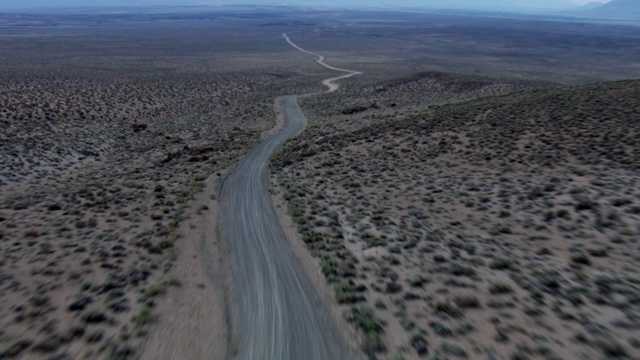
[{"x": 483, "y": 4}]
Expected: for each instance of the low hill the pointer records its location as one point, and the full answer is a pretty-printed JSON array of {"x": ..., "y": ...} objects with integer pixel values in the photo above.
[
  {"x": 590, "y": 6},
  {"x": 473, "y": 218}
]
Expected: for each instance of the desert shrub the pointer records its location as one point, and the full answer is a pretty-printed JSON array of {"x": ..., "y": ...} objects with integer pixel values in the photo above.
[
  {"x": 467, "y": 302},
  {"x": 54, "y": 207},
  {"x": 365, "y": 320},
  {"x": 500, "y": 264},
  {"x": 584, "y": 203},
  {"x": 500, "y": 288},
  {"x": 348, "y": 293},
  {"x": 461, "y": 270},
  {"x": 329, "y": 268},
  {"x": 453, "y": 349},
  {"x": 31, "y": 233},
  {"x": 417, "y": 281},
  {"x": 618, "y": 202},
  {"x": 613, "y": 348},
  {"x": 600, "y": 252},
  {"x": 447, "y": 308},
  {"x": 144, "y": 317},
  {"x": 580, "y": 259},
  {"x": 535, "y": 193},
  {"x": 563, "y": 214},
  {"x": 374, "y": 342}
]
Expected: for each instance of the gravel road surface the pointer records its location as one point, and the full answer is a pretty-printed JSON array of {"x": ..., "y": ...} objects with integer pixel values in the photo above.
[{"x": 277, "y": 312}]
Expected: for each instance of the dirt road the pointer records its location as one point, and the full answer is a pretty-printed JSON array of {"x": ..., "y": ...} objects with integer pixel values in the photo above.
[{"x": 277, "y": 312}]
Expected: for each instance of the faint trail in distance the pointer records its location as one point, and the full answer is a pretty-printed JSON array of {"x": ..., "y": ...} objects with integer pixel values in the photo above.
[{"x": 331, "y": 83}]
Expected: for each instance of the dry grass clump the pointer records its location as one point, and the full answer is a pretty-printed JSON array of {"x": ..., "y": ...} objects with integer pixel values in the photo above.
[{"x": 503, "y": 226}]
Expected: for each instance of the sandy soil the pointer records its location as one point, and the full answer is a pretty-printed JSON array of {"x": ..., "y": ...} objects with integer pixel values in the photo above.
[{"x": 194, "y": 322}]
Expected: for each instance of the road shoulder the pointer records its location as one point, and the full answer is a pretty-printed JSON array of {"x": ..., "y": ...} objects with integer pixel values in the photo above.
[
  {"x": 311, "y": 267},
  {"x": 193, "y": 316}
]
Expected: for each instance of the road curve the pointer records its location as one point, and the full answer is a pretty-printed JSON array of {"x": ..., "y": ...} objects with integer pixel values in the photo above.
[
  {"x": 331, "y": 83},
  {"x": 277, "y": 314}
]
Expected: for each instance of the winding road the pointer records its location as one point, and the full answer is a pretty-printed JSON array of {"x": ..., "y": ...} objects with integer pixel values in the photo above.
[
  {"x": 331, "y": 83},
  {"x": 277, "y": 313}
]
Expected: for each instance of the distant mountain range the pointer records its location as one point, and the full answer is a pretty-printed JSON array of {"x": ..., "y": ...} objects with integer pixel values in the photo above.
[
  {"x": 590, "y": 6},
  {"x": 615, "y": 9}
]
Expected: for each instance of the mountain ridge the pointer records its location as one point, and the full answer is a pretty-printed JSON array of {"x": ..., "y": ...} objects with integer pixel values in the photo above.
[{"x": 619, "y": 9}]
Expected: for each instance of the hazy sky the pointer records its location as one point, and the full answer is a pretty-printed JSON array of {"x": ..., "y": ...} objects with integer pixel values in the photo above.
[{"x": 437, "y": 3}]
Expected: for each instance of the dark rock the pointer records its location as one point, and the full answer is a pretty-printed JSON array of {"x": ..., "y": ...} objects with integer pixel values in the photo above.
[
  {"x": 137, "y": 128},
  {"x": 54, "y": 207}
]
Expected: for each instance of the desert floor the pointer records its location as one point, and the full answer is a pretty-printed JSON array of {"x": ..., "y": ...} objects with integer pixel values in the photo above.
[
  {"x": 503, "y": 227},
  {"x": 112, "y": 146}
]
